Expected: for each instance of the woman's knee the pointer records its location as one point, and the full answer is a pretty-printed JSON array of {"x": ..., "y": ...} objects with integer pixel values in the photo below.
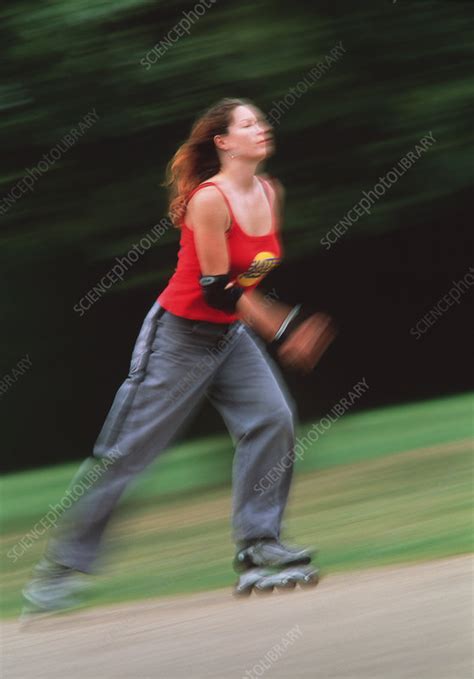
[{"x": 283, "y": 416}]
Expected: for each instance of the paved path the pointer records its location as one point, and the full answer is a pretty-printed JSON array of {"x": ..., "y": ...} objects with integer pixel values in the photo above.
[{"x": 407, "y": 622}]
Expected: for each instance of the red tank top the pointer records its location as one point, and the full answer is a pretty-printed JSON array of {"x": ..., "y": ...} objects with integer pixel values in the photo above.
[{"x": 251, "y": 258}]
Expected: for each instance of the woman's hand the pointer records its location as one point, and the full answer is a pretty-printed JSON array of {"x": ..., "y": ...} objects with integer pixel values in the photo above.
[
  {"x": 307, "y": 343},
  {"x": 304, "y": 347}
]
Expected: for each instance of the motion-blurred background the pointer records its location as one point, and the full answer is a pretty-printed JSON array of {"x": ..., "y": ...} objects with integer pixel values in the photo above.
[{"x": 405, "y": 73}]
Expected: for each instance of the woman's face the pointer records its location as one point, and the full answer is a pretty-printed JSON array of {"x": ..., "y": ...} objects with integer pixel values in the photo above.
[{"x": 249, "y": 135}]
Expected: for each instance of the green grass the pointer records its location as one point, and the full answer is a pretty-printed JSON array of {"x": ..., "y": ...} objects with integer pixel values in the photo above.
[{"x": 388, "y": 486}]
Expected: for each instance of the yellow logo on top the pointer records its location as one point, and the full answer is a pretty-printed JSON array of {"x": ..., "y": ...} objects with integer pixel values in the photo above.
[{"x": 262, "y": 263}]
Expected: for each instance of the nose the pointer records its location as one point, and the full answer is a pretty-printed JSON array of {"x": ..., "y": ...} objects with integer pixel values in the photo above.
[{"x": 264, "y": 128}]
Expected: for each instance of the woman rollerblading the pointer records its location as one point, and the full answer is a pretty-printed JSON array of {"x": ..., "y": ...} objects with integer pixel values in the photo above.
[{"x": 204, "y": 337}]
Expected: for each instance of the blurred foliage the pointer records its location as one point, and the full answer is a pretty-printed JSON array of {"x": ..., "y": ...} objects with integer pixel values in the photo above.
[{"x": 407, "y": 70}]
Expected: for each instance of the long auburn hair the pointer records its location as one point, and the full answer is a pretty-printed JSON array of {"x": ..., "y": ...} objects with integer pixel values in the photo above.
[{"x": 196, "y": 159}]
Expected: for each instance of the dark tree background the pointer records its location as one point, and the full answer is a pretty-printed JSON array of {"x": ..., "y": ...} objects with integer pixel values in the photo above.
[{"x": 406, "y": 72}]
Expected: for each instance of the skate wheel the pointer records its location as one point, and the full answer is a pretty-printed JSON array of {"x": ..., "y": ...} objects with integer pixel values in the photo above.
[
  {"x": 263, "y": 590},
  {"x": 287, "y": 584},
  {"x": 241, "y": 591},
  {"x": 310, "y": 580}
]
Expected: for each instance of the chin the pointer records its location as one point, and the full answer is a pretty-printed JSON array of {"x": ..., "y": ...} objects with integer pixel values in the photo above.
[
  {"x": 263, "y": 153},
  {"x": 270, "y": 150}
]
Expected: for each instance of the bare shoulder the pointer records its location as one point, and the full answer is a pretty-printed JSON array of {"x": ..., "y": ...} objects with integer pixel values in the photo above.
[
  {"x": 279, "y": 190},
  {"x": 207, "y": 206},
  {"x": 276, "y": 187},
  {"x": 208, "y": 196},
  {"x": 277, "y": 193}
]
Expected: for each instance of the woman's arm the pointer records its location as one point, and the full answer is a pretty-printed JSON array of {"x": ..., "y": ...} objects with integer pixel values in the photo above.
[
  {"x": 209, "y": 219},
  {"x": 300, "y": 347},
  {"x": 306, "y": 344},
  {"x": 265, "y": 318}
]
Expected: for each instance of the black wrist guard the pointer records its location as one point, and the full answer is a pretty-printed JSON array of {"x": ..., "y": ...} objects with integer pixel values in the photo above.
[
  {"x": 296, "y": 316},
  {"x": 215, "y": 294}
]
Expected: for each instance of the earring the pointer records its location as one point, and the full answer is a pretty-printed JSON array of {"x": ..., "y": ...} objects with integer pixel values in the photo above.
[{"x": 232, "y": 155}]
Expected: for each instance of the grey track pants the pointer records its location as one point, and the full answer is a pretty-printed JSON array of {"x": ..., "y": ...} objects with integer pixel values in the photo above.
[{"x": 176, "y": 364}]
